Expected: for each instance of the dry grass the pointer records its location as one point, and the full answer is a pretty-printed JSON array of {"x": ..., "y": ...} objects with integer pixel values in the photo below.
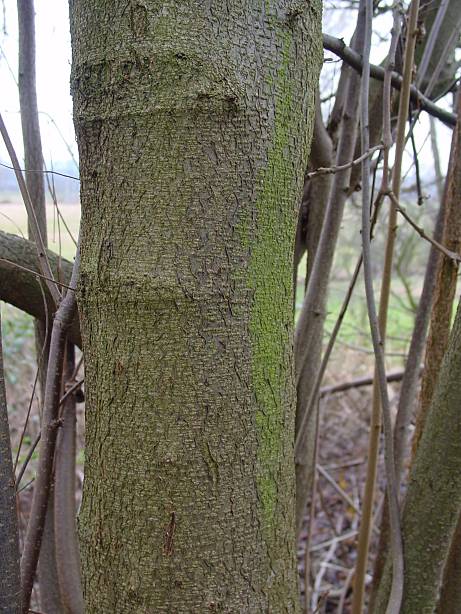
[{"x": 13, "y": 219}]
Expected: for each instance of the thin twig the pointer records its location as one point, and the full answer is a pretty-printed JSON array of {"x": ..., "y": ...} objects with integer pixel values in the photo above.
[
  {"x": 37, "y": 439},
  {"x": 39, "y": 275},
  {"x": 329, "y": 170},
  {"x": 40, "y": 365},
  {"x": 395, "y": 376},
  {"x": 456, "y": 258},
  {"x": 26, "y": 461},
  {"x": 45, "y": 172},
  {"x": 328, "y": 542},
  {"x": 342, "y": 493}
]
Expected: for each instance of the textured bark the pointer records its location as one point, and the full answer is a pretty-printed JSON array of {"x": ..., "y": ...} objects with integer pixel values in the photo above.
[
  {"x": 22, "y": 287},
  {"x": 445, "y": 288},
  {"x": 433, "y": 500},
  {"x": 450, "y": 598},
  {"x": 193, "y": 121},
  {"x": 450, "y": 592},
  {"x": 10, "y": 590}
]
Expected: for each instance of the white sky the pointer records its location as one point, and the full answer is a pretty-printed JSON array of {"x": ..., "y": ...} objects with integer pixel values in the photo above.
[{"x": 53, "y": 71}]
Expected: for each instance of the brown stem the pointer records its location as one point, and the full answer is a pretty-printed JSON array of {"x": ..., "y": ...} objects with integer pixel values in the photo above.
[
  {"x": 32, "y": 542},
  {"x": 67, "y": 551}
]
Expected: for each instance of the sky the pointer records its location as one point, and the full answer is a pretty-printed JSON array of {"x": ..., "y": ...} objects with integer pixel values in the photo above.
[{"x": 53, "y": 72}]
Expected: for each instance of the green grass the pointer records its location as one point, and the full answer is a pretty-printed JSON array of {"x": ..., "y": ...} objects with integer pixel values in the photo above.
[{"x": 354, "y": 334}]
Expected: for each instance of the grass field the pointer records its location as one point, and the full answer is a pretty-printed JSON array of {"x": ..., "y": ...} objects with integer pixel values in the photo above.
[{"x": 13, "y": 219}]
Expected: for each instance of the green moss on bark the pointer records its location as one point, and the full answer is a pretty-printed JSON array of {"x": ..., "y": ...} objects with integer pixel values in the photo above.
[{"x": 270, "y": 275}]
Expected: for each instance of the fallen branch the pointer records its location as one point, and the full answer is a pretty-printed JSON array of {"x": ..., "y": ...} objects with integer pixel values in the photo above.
[{"x": 395, "y": 376}]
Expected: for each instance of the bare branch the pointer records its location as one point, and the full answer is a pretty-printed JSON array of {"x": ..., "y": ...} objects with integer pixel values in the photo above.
[
  {"x": 353, "y": 59},
  {"x": 20, "y": 282},
  {"x": 329, "y": 170},
  {"x": 446, "y": 252},
  {"x": 32, "y": 542}
]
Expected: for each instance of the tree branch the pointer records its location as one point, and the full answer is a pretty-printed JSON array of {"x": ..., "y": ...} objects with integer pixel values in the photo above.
[
  {"x": 353, "y": 59},
  {"x": 32, "y": 541},
  {"x": 20, "y": 282}
]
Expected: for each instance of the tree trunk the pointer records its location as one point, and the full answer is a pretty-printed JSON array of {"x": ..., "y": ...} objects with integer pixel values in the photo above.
[
  {"x": 50, "y": 600},
  {"x": 193, "y": 121}
]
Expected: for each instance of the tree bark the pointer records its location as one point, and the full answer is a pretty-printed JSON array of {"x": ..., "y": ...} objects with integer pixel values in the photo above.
[
  {"x": 445, "y": 289},
  {"x": 10, "y": 589},
  {"x": 193, "y": 122},
  {"x": 433, "y": 500},
  {"x": 20, "y": 282}
]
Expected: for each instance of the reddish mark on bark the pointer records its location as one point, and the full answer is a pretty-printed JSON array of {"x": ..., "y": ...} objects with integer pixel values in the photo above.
[{"x": 169, "y": 535}]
